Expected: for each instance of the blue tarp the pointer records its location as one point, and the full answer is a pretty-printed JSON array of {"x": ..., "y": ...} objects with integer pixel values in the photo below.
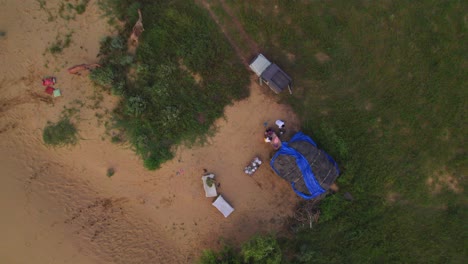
[{"x": 308, "y": 175}]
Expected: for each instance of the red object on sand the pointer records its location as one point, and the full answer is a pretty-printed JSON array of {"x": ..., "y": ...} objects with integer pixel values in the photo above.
[
  {"x": 49, "y": 90},
  {"x": 48, "y": 81}
]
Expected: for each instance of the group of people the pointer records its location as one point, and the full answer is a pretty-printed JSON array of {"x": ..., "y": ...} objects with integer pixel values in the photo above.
[{"x": 271, "y": 136}]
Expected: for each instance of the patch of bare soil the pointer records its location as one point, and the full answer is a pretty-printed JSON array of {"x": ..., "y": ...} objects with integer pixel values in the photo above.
[
  {"x": 322, "y": 57},
  {"x": 291, "y": 56},
  {"x": 441, "y": 179},
  {"x": 58, "y": 204},
  {"x": 195, "y": 75}
]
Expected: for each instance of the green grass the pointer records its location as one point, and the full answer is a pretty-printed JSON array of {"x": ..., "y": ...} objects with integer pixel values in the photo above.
[
  {"x": 60, "y": 43},
  {"x": 162, "y": 105},
  {"x": 60, "y": 134},
  {"x": 390, "y": 106},
  {"x": 110, "y": 172},
  {"x": 258, "y": 249},
  {"x": 69, "y": 9}
]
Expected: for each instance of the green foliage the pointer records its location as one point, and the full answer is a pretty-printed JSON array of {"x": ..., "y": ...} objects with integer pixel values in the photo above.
[
  {"x": 61, "y": 133},
  {"x": 259, "y": 249},
  {"x": 135, "y": 106},
  {"x": 161, "y": 102},
  {"x": 60, "y": 43},
  {"x": 225, "y": 256},
  {"x": 122, "y": 10},
  {"x": 210, "y": 181},
  {"x": 103, "y": 76},
  {"x": 262, "y": 249},
  {"x": 110, "y": 172},
  {"x": 71, "y": 8}
]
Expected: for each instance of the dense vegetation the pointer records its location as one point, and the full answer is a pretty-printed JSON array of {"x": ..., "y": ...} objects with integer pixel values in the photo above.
[
  {"x": 182, "y": 76},
  {"x": 379, "y": 84},
  {"x": 382, "y": 86},
  {"x": 259, "y": 249}
]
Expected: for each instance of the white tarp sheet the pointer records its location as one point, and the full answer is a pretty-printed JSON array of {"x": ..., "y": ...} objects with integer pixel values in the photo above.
[{"x": 221, "y": 204}]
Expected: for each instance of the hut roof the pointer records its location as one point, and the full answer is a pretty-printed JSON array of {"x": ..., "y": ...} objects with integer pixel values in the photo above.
[{"x": 277, "y": 79}]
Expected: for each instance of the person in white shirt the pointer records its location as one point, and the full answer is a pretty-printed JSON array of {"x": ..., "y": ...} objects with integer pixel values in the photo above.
[{"x": 280, "y": 123}]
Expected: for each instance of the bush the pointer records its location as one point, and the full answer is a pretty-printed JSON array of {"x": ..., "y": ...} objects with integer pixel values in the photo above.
[
  {"x": 110, "y": 172},
  {"x": 262, "y": 249},
  {"x": 226, "y": 256},
  {"x": 103, "y": 76},
  {"x": 60, "y": 134},
  {"x": 135, "y": 105},
  {"x": 160, "y": 98}
]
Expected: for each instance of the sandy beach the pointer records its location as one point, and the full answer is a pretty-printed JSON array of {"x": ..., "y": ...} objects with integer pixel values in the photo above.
[{"x": 58, "y": 204}]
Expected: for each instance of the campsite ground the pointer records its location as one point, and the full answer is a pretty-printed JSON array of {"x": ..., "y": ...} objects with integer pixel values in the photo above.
[
  {"x": 379, "y": 85},
  {"x": 60, "y": 207}
]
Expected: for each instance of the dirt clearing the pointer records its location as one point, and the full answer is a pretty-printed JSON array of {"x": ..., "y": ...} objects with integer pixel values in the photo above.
[{"x": 59, "y": 205}]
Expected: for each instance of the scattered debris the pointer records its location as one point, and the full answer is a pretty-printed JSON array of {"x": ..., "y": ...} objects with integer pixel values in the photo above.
[
  {"x": 306, "y": 214},
  {"x": 49, "y": 81},
  {"x": 49, "y": 90},
  {"x": 253, "y": 166},
  {"x": 77, "y": 69},
  {"x": 57, "y": 92},
  {"x": 180, "y": 171}
]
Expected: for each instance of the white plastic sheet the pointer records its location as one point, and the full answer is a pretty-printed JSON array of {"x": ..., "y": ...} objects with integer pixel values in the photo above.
[{"x": 221, "y": 204}]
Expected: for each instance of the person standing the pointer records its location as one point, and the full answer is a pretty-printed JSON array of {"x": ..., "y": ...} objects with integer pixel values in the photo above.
[{"x": 269, "y": 135}]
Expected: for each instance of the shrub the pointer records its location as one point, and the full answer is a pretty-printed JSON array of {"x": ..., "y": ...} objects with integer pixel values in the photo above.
[
  {"x": 151, "y": 163},
  {"x": 61, "y": 133},
  {"x": 103, "y": 76},
  {"x": 160, "y": 98},
  {"x": 135, "y": 105},
  {"x": 262, "y": 249},
  {"x": 60, "y": 43},
  {"x": 110, "y": 172},
  {"x": 81, "y": 8},
  {"x": 226, "y": 256}
]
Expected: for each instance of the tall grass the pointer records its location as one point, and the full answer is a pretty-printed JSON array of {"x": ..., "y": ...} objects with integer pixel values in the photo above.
[{"x": 162, "y": 104}]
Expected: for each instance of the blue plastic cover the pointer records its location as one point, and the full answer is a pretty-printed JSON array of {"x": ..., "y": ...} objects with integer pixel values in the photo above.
[{"x": 309, "y": 178}]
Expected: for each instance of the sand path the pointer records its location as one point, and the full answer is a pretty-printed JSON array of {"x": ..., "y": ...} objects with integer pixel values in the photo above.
[{"x": 59, "y": 206}]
